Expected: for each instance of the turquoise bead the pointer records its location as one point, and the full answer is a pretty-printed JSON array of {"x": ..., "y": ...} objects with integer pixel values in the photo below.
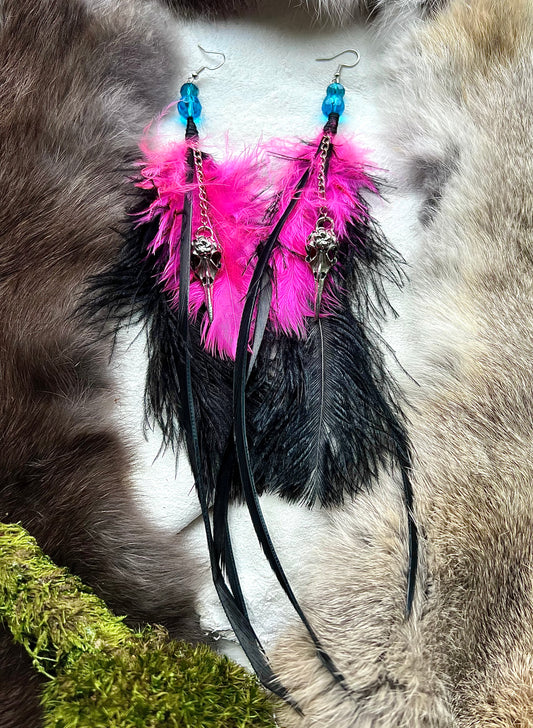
[
  {"x": 334, "y": 102},
  {"x": 189, "y": 103}
]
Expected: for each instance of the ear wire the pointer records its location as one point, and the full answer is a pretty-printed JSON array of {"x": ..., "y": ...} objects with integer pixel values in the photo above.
[
  {"x": 195, "y": 74},
  {"x": 337, "y": 74}
]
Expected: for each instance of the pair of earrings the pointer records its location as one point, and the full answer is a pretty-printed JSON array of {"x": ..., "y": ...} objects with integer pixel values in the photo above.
[
  {"x": 262, "y": 354},
  {"x": 220, "y": 260}
]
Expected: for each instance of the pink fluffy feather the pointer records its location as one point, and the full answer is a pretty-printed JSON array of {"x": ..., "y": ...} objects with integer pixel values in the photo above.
[
  {"x": 347, "y": 176},
  {"x": 236, "y": 210}
]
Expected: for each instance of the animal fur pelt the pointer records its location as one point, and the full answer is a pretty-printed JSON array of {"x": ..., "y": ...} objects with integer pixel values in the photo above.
[
  {"x": 209, "y": 8},
  {"x": 463, "y": 125},
  {"x": 387, "y": 12},
  {"x": 79, "y": 80}
]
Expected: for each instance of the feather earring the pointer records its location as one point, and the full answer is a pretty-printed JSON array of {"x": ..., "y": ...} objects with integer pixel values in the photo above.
[
  {"x": 317, "y": 415},
  {"x": 195, "y": 224},
  {"x": 183, "y": 272},
  {"x": 191, "y": 270}
]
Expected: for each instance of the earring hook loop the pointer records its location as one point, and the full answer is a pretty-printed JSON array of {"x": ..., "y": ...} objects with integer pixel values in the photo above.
[
  {"x": 337, "y": 74},
  {"x": 195, "y": 74}
]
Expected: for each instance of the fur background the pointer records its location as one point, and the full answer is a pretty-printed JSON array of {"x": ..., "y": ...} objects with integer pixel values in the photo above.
[{"x": 79, "y": 80}]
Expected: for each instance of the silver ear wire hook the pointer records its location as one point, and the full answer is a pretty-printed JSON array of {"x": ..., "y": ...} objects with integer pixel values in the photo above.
[
  {"x": 195, "y": 75},
  {"x": 337, "y": 75}
]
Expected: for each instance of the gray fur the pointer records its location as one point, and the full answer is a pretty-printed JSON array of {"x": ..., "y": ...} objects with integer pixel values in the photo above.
[{"x": 463, "y": 87}]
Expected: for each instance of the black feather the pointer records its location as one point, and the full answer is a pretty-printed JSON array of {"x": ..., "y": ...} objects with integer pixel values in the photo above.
[
  {"x": 130, "y": 292},
  {"x": 259, "y": 291},
  {"x": 324, "y": 415},
  {"x": 317, "y": 417},
  {"x": 232, "y": 602},
  {"x": 188, "y": 394}
]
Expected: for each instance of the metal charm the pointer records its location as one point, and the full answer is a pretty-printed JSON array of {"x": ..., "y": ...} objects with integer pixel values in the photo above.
[
  {"x": 322, "y": 247},
  {"x": 206, "y": 259}
]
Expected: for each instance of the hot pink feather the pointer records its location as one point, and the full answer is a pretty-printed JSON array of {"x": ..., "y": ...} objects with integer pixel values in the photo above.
[
  {"x": 236, "y": 210},
  {"x": 347, "y": 177}
]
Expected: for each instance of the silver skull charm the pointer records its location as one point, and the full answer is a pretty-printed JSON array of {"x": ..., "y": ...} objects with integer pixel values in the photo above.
[
  {"x": 206, "y": 259},
  {"x": 321, "y": 248}
]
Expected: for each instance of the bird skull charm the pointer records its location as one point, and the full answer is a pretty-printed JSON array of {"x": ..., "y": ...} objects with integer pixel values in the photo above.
[
  {"x": 206, "y": 259},
  {"x": 321, "y": 248}
]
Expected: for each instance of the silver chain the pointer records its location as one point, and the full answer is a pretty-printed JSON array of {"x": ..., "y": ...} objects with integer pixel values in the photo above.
[
  {"x": 202, "y": 194},
  {"x": 323, "y": 151},
  {"x": 322, "y": 244},
  {"x": 206, "y": 255},
  {"x": 325, "y": 144}
]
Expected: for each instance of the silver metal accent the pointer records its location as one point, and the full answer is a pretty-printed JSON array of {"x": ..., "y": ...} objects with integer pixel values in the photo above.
[
  {"x": 321, "y": 247},
  {"x": 205, "y": 263},
  {"x": 206, "y": 255},
  {"x": 337, "y": 75}
]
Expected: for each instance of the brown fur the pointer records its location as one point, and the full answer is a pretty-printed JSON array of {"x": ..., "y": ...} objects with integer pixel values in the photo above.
[
  {"x": 78, "y": 82},
  {"x": 463, "y": 84},
  {"x": 375, "y": 9},
  {"x": 209, "y": 8}
]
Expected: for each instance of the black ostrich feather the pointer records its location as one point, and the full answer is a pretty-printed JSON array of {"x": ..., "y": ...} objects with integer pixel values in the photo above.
[
  {"x": 129, "y": 292},
  {"x": 324, "y": 415}
]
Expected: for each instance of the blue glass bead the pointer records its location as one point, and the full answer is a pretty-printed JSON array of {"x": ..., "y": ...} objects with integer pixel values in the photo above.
[
  {"x": 189, "y": 89},
  {"x": 189, "y": 104},
  {"x": 334, "y": 102}
]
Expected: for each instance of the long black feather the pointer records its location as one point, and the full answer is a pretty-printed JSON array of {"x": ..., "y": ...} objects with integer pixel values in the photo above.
[
  {"x": 188, "y": 394},
  {"x": 260, "y": 289},
  {"x": 233, "y": 603},
  {"x": 319, "y": 417}
]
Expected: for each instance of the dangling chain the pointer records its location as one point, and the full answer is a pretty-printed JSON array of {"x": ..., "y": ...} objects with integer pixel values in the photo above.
[
  {"x": 206, "y": 257},
  {"x": 322, "y": 244},
  {"x": 202, "y": 195},
  {"x": 323, "y": 152}
]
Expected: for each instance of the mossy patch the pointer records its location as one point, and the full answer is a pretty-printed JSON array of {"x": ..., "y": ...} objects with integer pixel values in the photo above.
[
  {"x": 101, "y": 673},
  {"x": 153, "y": 682}
]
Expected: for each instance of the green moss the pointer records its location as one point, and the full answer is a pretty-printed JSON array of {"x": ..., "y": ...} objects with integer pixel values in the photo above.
[
  {"x": 153, "y": 682},
  {"x": 48, "y": 610},
  {"x": 101, "y": 673}
]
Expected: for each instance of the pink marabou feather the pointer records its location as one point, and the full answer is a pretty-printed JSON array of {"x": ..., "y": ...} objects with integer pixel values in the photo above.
[
  {"x": 294, "y": 285},
  {"x": 236, "y": 210}
]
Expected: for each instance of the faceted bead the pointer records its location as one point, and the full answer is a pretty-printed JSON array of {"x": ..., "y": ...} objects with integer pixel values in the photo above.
[
  {"x": 189, "y": 104},
  {"x": 189, "y": 89},
  {"x": 334, "y": 102}
]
